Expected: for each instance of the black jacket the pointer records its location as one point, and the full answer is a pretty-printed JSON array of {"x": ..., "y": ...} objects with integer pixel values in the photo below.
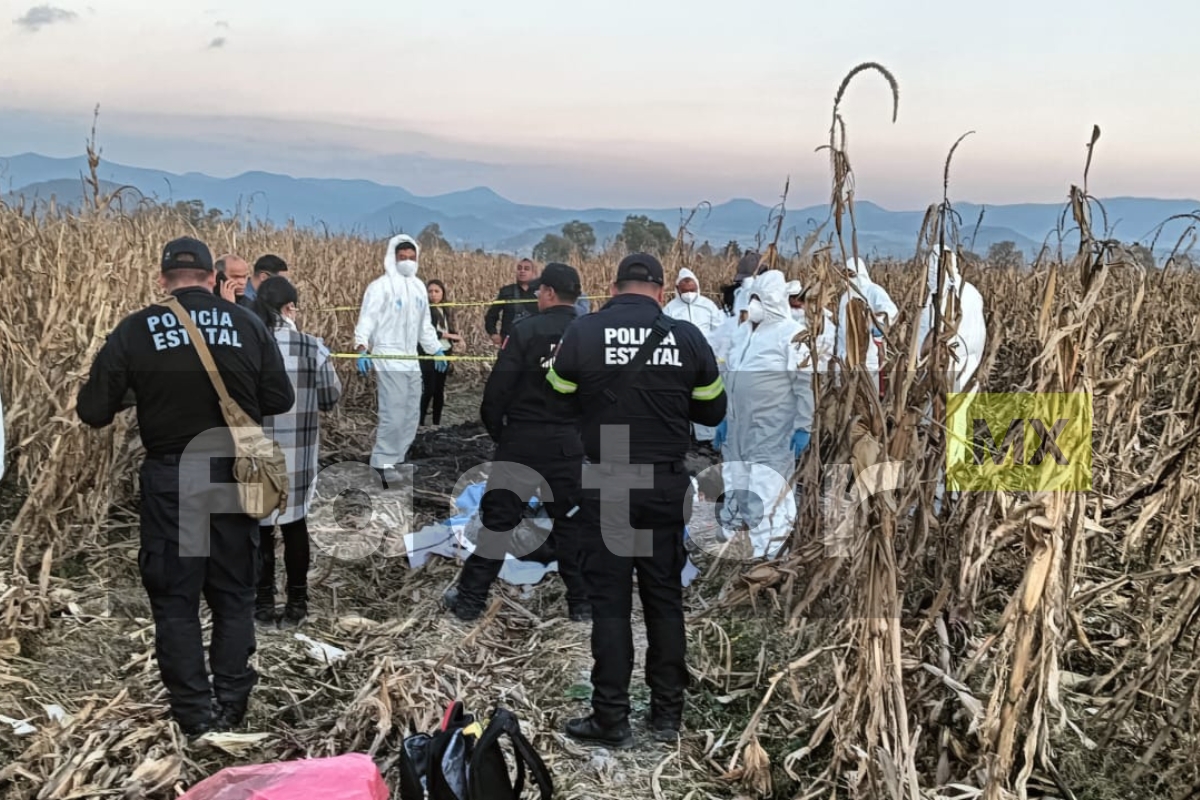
[
  {"x": 516, "y": 389},
  {"x": 505, "y": 314},
  {"x": 149, "y": 357},
  {"x": 680, "y": 385}
]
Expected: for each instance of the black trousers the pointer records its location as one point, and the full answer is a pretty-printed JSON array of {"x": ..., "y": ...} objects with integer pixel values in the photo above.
[
  {"x": 529, "y": 458},
  {"x": 177, "y": 566},
  {"x": 433, "y": 390},
  {"x": 610, "y": 556},
  {"x": 297, "y": 554}
]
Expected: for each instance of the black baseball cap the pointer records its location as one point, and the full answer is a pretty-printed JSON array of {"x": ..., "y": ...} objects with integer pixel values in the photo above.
[
  {"x": 560, "y": 278},
  {"x": 186, "y": 253},
  {"x": 640, "y": 267}
]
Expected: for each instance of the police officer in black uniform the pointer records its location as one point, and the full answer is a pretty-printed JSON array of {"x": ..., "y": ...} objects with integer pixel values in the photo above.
[
  {"x": 636, "y": 528},
  {"x": 149, "y": 361},
  {"x": 533, "y": 432},
  {"x": 513, "y": 302}
]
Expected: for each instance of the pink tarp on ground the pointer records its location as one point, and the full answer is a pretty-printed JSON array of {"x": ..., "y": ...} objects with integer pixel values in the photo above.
[{"x": 353, "y": 776}]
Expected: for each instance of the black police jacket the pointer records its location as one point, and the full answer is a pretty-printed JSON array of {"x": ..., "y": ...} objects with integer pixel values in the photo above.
[
  {"x": 149, "y": 355},
  {"x": 506, "y": 313},
  {"x": 516, "y": 389},
  {"x": 679, "y": 385}
]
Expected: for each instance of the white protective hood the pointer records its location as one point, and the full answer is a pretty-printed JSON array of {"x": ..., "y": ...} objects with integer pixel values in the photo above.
[
  {"x": 394, "y": 316},
  {"x": 390, "y": 266},
  {"x": 701, "y": 312},
  {"x": 968, "y": 344},
  {"x": 771, "y": 291},
  {"x": 684, "y": 274}
]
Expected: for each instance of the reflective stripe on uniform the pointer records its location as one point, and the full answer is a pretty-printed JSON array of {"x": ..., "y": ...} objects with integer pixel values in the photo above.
[
  {"x": 710, "y": 392},
  {"x": 560, "y": 384}
]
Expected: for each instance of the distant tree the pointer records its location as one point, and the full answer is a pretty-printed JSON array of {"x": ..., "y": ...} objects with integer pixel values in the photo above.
[
  {"x": 705, "y": 250},
  {"x": 1142, "y": 254},
  {"x": 1005, "y": 255},
  {"x": 581, "y": 236},
  {"x": 732, "y": 249},
  {"x": 430, "y": 238},
  {"x": 640, "y": 234},
  {"x": 552, "y": 247},
  {"x": 1181, "y": 261}
]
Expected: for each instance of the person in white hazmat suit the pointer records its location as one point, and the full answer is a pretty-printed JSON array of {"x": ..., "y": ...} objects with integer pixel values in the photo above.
[
  {"x": 722, "y": 338},
  {"x": 697, "y": 309},
  {"x": 393, "y": 320},
  {"x": 965, "y": 346},
  {"x": 769, "y": 383},
  {"x": 882, "y": 311},
  {"x": 826, "y": 339}
]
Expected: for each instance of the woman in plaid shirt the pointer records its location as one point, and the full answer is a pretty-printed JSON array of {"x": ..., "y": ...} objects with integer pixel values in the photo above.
[{"x": 298, "y": 432}]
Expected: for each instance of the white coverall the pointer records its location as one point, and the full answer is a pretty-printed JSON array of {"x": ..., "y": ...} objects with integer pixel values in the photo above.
[
  {"x": 393, "y": 320},
  {"x": 770, "y": 398},
  {"x": 826, "y": 339},
  {"x": 705, "y": 315},
  {"x": 722, "y": 338},
  {"x": 966, "y": 347},
  {"x": 879, "y": 303}
]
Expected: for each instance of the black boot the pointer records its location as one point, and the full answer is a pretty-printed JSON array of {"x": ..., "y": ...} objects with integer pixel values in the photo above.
[
  {"x": 592, "y": 731},
  {"x": 663, "y": 727},
  {"x": 264, "y": 604},
  {"x": 296, "y": 610}
]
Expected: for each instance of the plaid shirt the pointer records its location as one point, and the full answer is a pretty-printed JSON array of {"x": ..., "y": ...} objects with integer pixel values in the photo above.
[{"x": 318, "y": 388}]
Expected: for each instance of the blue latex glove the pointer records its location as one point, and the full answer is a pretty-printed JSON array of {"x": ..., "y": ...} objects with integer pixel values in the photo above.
[
  {"x": 364, "y": 364},
  {"x": 441, "y": 364},
  {"x": 719, "y": 436},
  {"x": 799, "y": 443}
]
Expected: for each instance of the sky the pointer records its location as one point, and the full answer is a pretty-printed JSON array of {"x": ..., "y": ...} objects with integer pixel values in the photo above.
[{"x": 630, "y": 103}]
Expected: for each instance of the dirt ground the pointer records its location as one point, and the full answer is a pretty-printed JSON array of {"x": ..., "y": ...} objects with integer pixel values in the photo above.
[{"x": 404, "y": 660}]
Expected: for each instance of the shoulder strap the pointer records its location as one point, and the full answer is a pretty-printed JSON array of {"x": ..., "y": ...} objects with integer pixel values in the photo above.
[
  {"x": 197, "y": 338},
  {"x": 485, "y": 785},
  {"x": 662, "y": 326}
]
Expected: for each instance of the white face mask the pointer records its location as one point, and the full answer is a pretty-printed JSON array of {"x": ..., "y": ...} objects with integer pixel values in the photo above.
[
  {"x": 688, "y": 297},
  {"x": 858, "y": 282},
  {"x": 755, "y": 312},
  {"x": 799, "y": 315},
  {"x": 407, "y": 268}
]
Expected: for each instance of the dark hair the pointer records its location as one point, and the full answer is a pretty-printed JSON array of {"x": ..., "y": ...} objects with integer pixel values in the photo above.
[
  {"x": 447, "y": 318},
  {"x": 271, "y": 264},
  {"x": 273, "y": 294}
]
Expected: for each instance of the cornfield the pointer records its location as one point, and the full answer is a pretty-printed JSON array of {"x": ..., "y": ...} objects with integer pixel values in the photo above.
[{"x": 991, "y": 644}]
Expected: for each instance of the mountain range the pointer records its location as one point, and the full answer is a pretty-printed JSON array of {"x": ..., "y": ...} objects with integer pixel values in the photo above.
[{"x": 481, "y": 218}]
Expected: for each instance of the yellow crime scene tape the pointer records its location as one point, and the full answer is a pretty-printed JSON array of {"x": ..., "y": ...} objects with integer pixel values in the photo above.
[
  {"x": 470, "y": 303},
  {"x": 462, "y": 304},
  {"x": 413, "y": 358}
]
